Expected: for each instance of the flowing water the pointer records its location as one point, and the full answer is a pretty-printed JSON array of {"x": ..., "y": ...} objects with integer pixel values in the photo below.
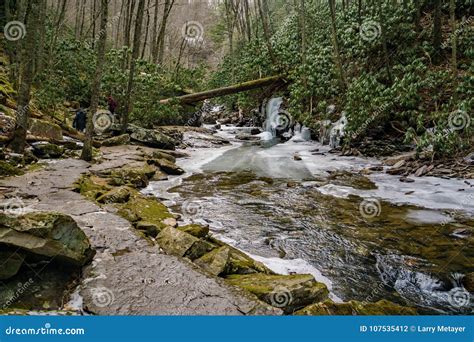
[{"x": 367, "y": 237}]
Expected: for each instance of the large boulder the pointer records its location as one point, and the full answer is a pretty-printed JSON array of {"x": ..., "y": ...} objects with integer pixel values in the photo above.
[
  {"x": 45, "y": 129},
  {"x": 7, "y": 124},
  {"x": 136, "y": 177},
  {"x": 11, "y": 262},
  {"x": 167, "y": 166},
  {"x": 47, "y": 150},
  {"x": 123, "y": 139},
  {"x": 287, "y": 292},
  {"x": 195, "y": 230},
  {"x": 176, "y": 242},
  {"x": 382, "y": 307},
  {"x": 116, "y": 195},
  {"x": 152, "y": 138},
  {"x": 50, "y": 235}
]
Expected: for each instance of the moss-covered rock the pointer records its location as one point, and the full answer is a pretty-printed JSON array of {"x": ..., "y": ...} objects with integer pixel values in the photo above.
[
  {"x": 167, "y": 166},
  {"x": 142, "y": 208},
  {"x": 287, "y": 292},
  {"x": 382, "y": 307},
  {"x": 176, "y": 242},
  {"x": 51, "y": 235},
  {"x": 123, "y": 139},
  {"x": 216, "y": 261},
  {"x": 195, "y": 230},
  {"x": 6, "y": 169},
  {"x": 45, "y": 129},
  {"x": 47, "y": 150},
  {"x": 152, "y": 138},
  {"x": 136, "y": 177},
  {"x": 149, "y": 229},
  {"x": 92, "y": 187},
  {"x": 163, "y": 155},
  {"x": 11, "y": 261},
  {"x": 116, "y": 195}
]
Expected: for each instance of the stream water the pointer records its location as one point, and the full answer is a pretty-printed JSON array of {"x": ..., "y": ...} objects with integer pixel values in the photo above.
[{"x": 367, "y": 237}]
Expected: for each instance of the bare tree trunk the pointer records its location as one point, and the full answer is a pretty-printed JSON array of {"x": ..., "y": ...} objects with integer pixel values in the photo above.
[
  {"x": 154, "y": 38},
  {"x": 263, "y": 9},
  {"x": 147, "y": 28},
  {"x": 437, "y": 32},
  {"x": 454, "y": 48},
  {"x": 384, "y": 43},
  {"x": 27, "y": 74},
  {"x": 161, "y": 36},
  {"x": 136, "y": 51},
  {"x": 337, "y": 55},
  {"x": 87, "y": 149}
]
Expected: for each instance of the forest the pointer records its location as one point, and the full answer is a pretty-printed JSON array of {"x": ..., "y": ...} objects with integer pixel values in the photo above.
[{"x": 316, "y": 154}]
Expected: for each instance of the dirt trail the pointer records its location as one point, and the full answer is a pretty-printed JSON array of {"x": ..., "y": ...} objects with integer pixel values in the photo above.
[{"x": 129, "y": 275}]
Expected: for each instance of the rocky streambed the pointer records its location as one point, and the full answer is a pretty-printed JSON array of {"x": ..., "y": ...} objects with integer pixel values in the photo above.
[
  {"x": 367, "y": 234},
  {"x": 147, "y": 259}
]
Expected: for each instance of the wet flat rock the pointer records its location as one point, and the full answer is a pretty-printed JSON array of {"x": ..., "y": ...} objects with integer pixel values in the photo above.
[{"x": 128, "y": 275}]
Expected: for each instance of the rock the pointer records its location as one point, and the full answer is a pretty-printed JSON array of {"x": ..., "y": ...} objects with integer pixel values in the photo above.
[
  {"x": 159, "y": 176},
  {"x": 176, "y": 242},
  {"x": 116, "y": 195},
  {"x": 255, "y": 131},
  {"x": 45, "y": 129},
  {"x": 11, "y": 262},
  {"x": 469, "y": 159},
  {"x": 6, "y": 169},
  {"x": 123, "y": 139},
  {"x": 169, "y": 167},
  {"x": 399, "y": 164},
  {"x": 176, "y": 154},
  {"x": 136, "y": 177},
  {"x": 195, "y": 230},
  {"x": 217, "y": 126},
  {"x": 152, "y": 138},
  {"x": 7, "y": 124},
  {"x": 421, "y": 171},
  {"x": 406, "y": 180},
  {"x": 148, "y": 228},
  {"x": 468, "y": 282},
  {"x": 297, "y": 157},
  {"x": 246, "y": 137},
  {"x": 171, "y": 222},
  {"x": 288, "y": 292},
  {"x": 216, "y": 261},
  {"x": 47, "y": 150},
  {"x": 382, "y": 307},
  {"x": 395, "y": 159},
  {"x": 51, "y": 235},
  {"x": 163, "y": 155}
]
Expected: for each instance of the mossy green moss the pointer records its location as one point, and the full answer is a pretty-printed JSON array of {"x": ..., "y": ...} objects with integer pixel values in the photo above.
[
  {"x": 91, "y": 187},
  {"x": 7, "y": 169},
  {"x": 143, "y": 208},
  {"x": 382, "y": 307}
]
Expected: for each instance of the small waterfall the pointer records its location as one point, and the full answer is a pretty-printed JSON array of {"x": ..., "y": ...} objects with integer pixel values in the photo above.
[{"x": 272, "y": 115}]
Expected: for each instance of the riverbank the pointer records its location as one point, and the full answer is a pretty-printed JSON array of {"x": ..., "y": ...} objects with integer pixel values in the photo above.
[{"x": 131, "y": 275}]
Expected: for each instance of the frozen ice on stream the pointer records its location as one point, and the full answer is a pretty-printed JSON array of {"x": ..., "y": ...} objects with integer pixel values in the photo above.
[{"x": 432, "y": 197}]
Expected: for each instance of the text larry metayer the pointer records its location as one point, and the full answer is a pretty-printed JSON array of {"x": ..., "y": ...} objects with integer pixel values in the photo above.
[{"x": 440, "y": 329}]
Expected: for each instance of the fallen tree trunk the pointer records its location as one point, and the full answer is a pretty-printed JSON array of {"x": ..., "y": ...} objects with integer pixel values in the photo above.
[{"x": 234, "y": 89}]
